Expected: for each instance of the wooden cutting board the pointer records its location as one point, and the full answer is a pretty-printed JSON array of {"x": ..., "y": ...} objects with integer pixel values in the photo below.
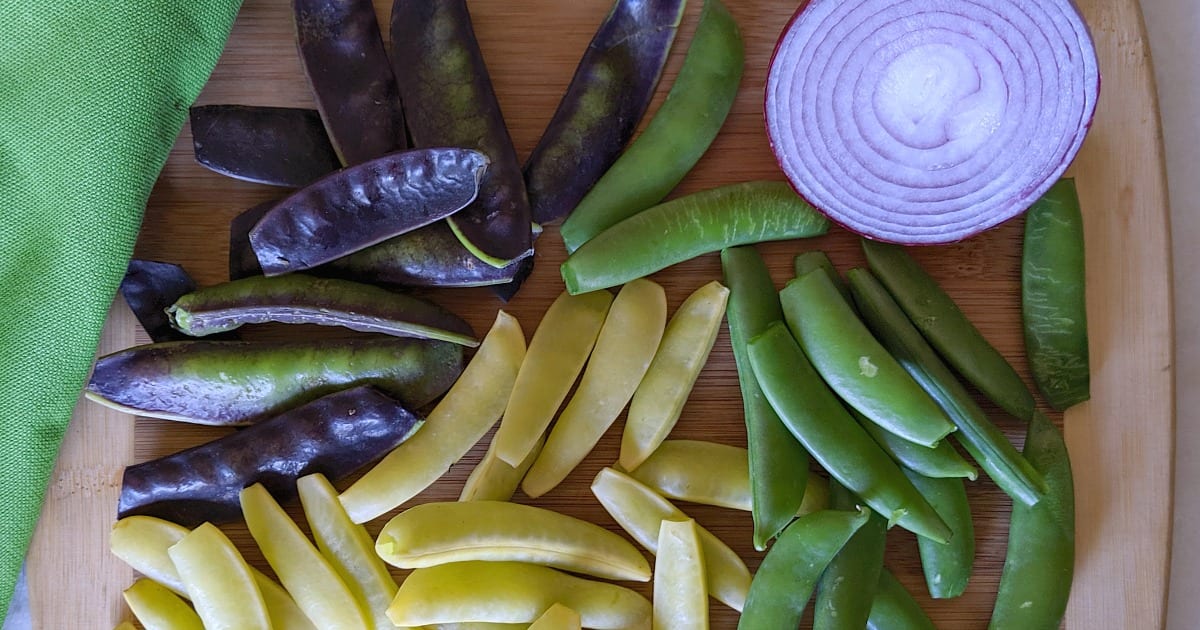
[{"x": 1121, "y": 442}]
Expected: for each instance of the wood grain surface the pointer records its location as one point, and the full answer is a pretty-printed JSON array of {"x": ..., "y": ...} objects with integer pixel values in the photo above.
[{"x": 1121, "y": 442}]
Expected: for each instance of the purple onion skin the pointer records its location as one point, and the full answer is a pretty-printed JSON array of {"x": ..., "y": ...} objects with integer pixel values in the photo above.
[
  {"x": 334, "y": 435},
  {"x": 277, "y": 146},
  {"x": 365, "y": 204},
  {"x": 149, "y": 287},
  {"x": 343, "y": 56},
  {"x": 449, "y": 101},
  {"x": 612, "y": 87}
]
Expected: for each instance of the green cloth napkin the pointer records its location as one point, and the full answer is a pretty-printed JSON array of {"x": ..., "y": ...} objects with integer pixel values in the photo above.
[{"x": 92, "y": 95}]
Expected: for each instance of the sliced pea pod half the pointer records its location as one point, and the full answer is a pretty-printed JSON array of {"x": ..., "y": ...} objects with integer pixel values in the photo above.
[
  {"x": 277, "y": 146},
  {"x": 301, "y": 299}
]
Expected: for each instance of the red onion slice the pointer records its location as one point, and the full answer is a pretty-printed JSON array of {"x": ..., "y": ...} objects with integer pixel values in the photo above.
[{"x": 929, "y": 121}]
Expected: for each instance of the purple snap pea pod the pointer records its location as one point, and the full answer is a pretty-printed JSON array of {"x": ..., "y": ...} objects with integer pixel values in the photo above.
[
  {"x": 242, "y": 260},
  {"x": 149, "y": 287},
  {"x": 277, "y": 146},
  {"x": 449, "y": 101},
  {"x": 334, "y": 435},
  {"x": 611, "y": 89},
  {"x": 364, "y": 204},
  {"x": 343, "y": 56}
]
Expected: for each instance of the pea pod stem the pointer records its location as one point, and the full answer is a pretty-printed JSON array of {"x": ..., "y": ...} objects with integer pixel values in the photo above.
[
  {"x": 947, "y": 567},
  {"x": 844, "y": 590}
]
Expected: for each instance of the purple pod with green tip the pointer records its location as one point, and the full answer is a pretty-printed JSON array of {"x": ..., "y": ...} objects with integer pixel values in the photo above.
[
  {"x": 277, "y": 146},
  {"x": 334, "y": 435}
]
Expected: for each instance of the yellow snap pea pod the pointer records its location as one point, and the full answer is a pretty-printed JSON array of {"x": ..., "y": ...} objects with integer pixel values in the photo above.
[
  {"x": 624, "y": 349},
  {"x": 142, "y": 543},
  {"x": 458, "y": 421},
  {"x": 493, "y": 479},
  {"x": 219, "y": 581},
  {"x": 659, "y": 398},
  {"x": 348, "y": 548},
  {"x": 157, "y": 608},
  {"x": 454, "y": 531},
  {"x": 641, "y": 511},
  {"x": 557, "y": 617},
  {"x": 512, "y": 592},
  {"x": 680, "y": 591},
  {"x": 125, "y": 625},
  {"x": 304, "y": 572},
  {"x": 560, "y": 346}
]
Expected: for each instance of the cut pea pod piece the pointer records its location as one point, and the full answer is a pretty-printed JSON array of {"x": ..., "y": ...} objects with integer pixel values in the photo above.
[
  {"x": 624, "y": 350},
  {"x": 680, "y": 589},
  {"x": 894, "y": 607},
  {"x": 559, "y": 348},
  {"x": 675, "y": 138},
  {"x": 557, "y": 617},
  {"x": 1053, "y": 304},
  {"x": 788, "y": 574},
  {"x": 304, "y": 572},
  {"x": 149, "y": 287},
  {"x": 335, "y": 435},
  {"x": 612, "y": 87},
  {"x": 157, "y": 608},
  {"x": 778, "y": 464},
  {"x": 302, "y": 299},
  {"x": 346, "y": 65},
  {"x": 218, "y": 581},
  {"x": 947, "y": 329},
  {"x": 856, "y": 365},
  {"x": 348, "y": 548},
  {"x": 511, "y": 592},
  {"x": 240, "y": 382},
  {"x": 817, "y": 418},
  {"x": 844, "y": 590},
  {"x": 982, "y": 439},
  {"x": 497, "y": 531},
  {"x": 1039, "y": 564},
  {"x": 277, "y": 146},
  {"x": 663, "y": 391},
  {"x": 364, "y": 204},
  {"x": 449, "y": 101},
  {"x": 493, "y": 479},
  {"x": 686, "y": 227},
  {"x": 640, "y": 511},
  {"x": 471, "y": 407},
  {"x": 940, "y": 462},
  {"x": 947, "y": 567}
]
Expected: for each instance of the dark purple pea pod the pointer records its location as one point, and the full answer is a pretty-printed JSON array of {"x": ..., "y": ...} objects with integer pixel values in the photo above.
[
  {"x": 343, "y": 56},
  {"x": 301, "y": 299},
  {"x": 242, "y": 382},
  {"x": 149, "y": 287},
  {"x": 449, "y": 101},
  {"x": 364, "y": 204},
  {"x": 277, "y": 146},
  {"x": 242, "y": 260},
  {"x": 612, "y": 87},
  {"x": 334, "y": 435}
]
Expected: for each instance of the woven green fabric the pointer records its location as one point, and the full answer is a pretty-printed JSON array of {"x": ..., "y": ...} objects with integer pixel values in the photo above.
[{"x": 92, "y": 95}]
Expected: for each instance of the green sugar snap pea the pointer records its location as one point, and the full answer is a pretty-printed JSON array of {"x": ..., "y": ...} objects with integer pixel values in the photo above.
[
  {"x": 894, "y": 607},
  {"x": 947, "y": 567},
  {"x": 846, "y": 588}
]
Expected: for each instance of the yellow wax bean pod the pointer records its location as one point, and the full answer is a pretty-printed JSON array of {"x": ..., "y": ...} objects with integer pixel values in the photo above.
[
  {"x": 660, "y": 397},
  {"x": 304, "y": 572},
  {"x": 476, "y": 625},
  {"x": 453, "y": 531},
  {"x": 157, "y": 608},
  {"x": 680, "y": 589},
  {"x": 624, "y": 349},
  {"x": 493, "y": 479},
  {"x": 125, "y": 625},
  {"x": 142, "y": 543},
  {"x": 512, "y": 592},
  {"x": 557, "y": 617},
  {"x": 459, "y": 420},
  {"x": 219, "y": 581},
  {"x": 559, "y": 348},
  {"x": 348, "y": 547},
  {"x": 641, "y": 511}
]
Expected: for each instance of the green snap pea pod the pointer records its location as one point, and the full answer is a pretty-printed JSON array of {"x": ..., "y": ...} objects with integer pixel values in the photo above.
[
  {"x": 683, "y": 228},
  {"x": 680, "y": 132},
  {"x": 982, "y": 439},
  {"x": 817, "y": 418},
  {"x": 1039, "y": 565},
  {"x": 940, "y": 320},
  {"x": 939, "y": 462},
  {"x": 856, "y": 365},
  {"x": 1053, "y": 307},
  {"x": 241, "y": 382},
  {"x": 816, "y": 259},
  {"x": 778, "y": 463},
  {"x": 301, "y": 299},
  {"x": 788, "y": 574},
  {"x": 894, "y": 607},
  {"x": 277, "y": 146},
  {"x": 845, "y": 590},
  {"x": 947, "y": 566}
]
